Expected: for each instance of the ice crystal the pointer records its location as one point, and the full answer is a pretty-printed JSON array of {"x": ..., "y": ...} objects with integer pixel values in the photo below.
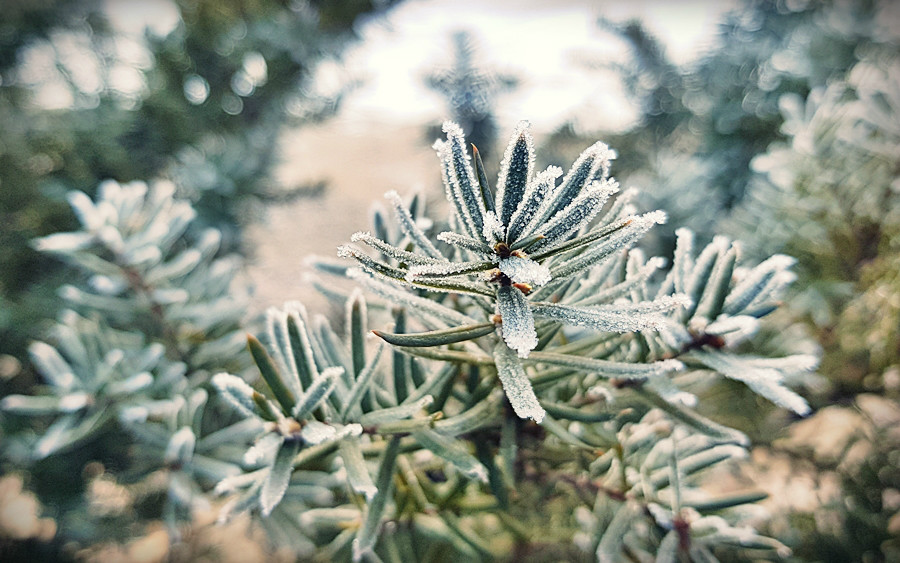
[
  {"x": 395, "y": 295},
  {"x": 628, "y": 317},
  {"x": 578, "y": 213},
  {"x": 180, "y": 445},
  {"x": 516, "y": 385},
  {"x": 236, "y": 391},
  {"x": 762, "y": 377},
  {"x": 534, "y": 200},
  {"x": 462, "y": 241},
  {"x": 757, "y": 281},
  {"x": 733, "y": 329},
  {"x": 493, "y": 231},
  {"x": 517, "y": 322},
  {"x": 263, "y": 450},
  {"x": 515, "y": 172},
  {"x": 526, "y": 271},
  {"x": 409, "y": 226}
]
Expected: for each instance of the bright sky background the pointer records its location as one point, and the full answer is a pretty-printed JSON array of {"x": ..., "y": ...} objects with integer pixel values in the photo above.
[{"x": 541, "y": 42}]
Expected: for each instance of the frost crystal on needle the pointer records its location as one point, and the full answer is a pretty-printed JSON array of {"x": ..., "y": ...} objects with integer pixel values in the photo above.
[
  {"x": 518, "y": 324},
  {"x": 516, "y": 385},
  {"x": 524, "y": 270},
  {"x": 493, "y": 230}
]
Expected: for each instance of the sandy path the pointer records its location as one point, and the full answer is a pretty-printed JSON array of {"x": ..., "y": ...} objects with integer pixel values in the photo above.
[{"x": 360, "y": 162}]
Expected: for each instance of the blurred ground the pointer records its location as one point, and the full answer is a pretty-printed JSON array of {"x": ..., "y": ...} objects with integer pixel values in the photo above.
[{"x": 360, "y": 162}]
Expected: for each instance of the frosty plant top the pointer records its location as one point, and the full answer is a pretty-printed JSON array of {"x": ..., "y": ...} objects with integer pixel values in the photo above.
[{"x": 513, "y": 252}]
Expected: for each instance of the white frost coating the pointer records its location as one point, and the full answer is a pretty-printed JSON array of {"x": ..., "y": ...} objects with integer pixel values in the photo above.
[
  {"x": 51, "y": 365},
  {"x": 468, "y": 243},
  {"x": 734, "y": 329},
  {"x": 674, "y": 335},
  {"x": 493, "y": 230},
  {"x": 588, "y": 294},
  {"x": 234, "y": 389},
  {"x": 345, "y": 251},
  {"x": 144, "y": 255},
  {"x": 170, "y": 296},
  {"x": 209, "y": 241},
  {"x": 132, "y": 384},
  {"x": 63, "y": 242},
  {"x": 779, "y": 282},
  {"x": 113, "y": 357},
  {"x": 592, "y": 164},
  {"x": 667, "y": 390},
  {"x": 525, "y": 270},
  {"x": 400, "y": 297},
  {"x": 626, "y": 317},
  {"x": 368, "y": 490},
  {"x": 107, "y": 285},
  {"x": 755, "y": 281},
  {"x": 517, "y": 325},
  {"x": 452, "y": 189},
  {"x": 424, "y": 223},
  {"x": 163, "y": 190},
  {"x": 763, "y": 377},
  {"x": 662, "y": 516},
  {"x": 521, "y": 129},
  {"x": 793, "y": 364},
  {"x": 391, "y": 414},
  {"x": 73, "y": 402},
  {"x": 181, "y": 445},
  {"x": 535, "y": 201},
  {"x": 400, "y": 255},
  {"x": 462, "y": 173},
  {"x": 601, "y": 156},
  {"x": 84, "y": 208},
  {"x": 321, "y": 387},
  {"x": 315, "y": 432},
  {"x": 664, "y": 304},
  {"x": 263, "y": 450},
  {"x": 51, "y": 439},
  {"x": 657, "y": 217},
  {"x": 516, "y": 385},
  {"x": 441, "y": 269},
  {"x": 234, "y": 482},
  {"x": 578, "y": 213},
  {"x": 134, "y": 414},
  {"x": 112, "y": 238},
  {"x": 409, "y": 227},
  {"x": 71, "y": 293},
  {"x": 683, "y": 260},
  {"x": 779, "y": 394},
  {"x": 282, "y": 352}
]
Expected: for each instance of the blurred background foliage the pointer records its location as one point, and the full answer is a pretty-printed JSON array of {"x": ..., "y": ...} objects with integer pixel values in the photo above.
[
  {"x": 783, "y": 135},
  {"x": 201, "y": 104},
  {"x": 779, "y": 136},
  {"x": 470, "y": 93}
]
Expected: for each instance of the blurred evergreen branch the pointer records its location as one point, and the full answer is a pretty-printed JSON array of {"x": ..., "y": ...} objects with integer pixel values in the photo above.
[
  {"x": 159, "y": 312},
  {"x": 211, "y": 96},
  {"x": 470, "y": 92}
]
